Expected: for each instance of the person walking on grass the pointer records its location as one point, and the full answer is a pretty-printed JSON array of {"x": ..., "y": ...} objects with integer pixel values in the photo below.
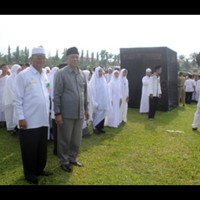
[{"x": 196, "y": 116}]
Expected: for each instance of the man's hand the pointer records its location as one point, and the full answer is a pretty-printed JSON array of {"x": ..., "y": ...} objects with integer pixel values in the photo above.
[
  {"x": 127, "y": 99},
  {"x": 87, "y": 115},
  {"x": 23, "y": 124},
  {"x": 58, "y": 119},
  {"x": 151, "y": 96},
  {"x": 160, "y": 96}
]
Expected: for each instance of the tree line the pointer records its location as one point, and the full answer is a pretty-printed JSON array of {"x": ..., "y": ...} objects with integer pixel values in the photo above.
[
  {"x": 191, "y": 63},
  {"x": 87, "y": 60},
  {"x": 91, "y": 60}
]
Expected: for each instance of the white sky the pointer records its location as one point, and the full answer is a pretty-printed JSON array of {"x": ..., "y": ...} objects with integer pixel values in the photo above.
[{"x": 180, "y": 33}]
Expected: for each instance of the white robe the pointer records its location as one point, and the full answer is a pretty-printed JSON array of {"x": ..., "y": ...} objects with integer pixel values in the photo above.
[
  {"x": 108, "y": 77},
  {"x": 125, "y": 94},
  {"x": 113, "y": 118},
  {"x": 144, "y": 103},
  {"x": 89, "y": 100},
  {"x": 2, "y": 106},
  {"x": 195, "y": 96},
  {"x": 100, "y": 95},
  {"x": 198, "y": 90},
  {"x": 51, "y": 80},
  {"x": 8, "y": 98}
]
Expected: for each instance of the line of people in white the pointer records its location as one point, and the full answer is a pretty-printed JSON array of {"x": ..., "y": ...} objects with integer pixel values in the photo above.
[{"x": 108, "y": 96}]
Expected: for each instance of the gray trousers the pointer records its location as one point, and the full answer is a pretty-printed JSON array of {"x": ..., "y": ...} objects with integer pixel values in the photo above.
[{"x": 69, "y": 140}]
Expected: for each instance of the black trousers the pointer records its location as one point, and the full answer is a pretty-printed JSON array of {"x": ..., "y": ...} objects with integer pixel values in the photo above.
[
  {"x": 188, "y": 97},
  {"x": 100, "y": 125},
  {"x": 33, "y": 143},
  {"x": 153, "y": 106}
]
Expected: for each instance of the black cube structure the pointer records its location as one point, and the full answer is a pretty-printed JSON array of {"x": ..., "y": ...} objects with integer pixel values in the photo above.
[{"x": 137, "y": 60}]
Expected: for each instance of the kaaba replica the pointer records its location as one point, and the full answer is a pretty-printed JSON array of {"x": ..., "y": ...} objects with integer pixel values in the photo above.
[{"x": 136, "y": 60}]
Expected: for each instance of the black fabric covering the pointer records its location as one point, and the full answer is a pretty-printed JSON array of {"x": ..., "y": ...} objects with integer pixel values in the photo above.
[{"x": 136, "y": 60}]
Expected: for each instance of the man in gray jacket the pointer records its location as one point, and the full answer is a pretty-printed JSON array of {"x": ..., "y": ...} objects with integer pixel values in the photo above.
[{"x": 70, "y": 106}]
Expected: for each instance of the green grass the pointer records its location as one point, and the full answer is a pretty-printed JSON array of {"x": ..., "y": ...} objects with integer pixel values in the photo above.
[{"x": 139, "y": 152}]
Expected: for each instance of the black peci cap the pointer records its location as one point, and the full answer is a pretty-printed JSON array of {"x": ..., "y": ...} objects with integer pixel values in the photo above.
[{"x": 72, "y": 50}]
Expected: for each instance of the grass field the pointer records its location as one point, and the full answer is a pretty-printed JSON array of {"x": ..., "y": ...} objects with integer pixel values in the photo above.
[{"x": 140, "y": 152}]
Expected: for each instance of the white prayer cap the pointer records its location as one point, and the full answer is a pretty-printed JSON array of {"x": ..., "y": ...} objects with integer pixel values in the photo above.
[
  {"x": 148, "y": 70},
  {"x": 38, "y": 50}
]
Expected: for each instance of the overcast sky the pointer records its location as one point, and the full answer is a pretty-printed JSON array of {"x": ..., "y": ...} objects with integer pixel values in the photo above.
[{"x": 180, "y": 33}]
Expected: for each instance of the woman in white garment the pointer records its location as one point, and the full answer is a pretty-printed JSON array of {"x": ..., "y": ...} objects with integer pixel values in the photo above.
[
  {"x": 195, "y": 96},
  {"x": 48, "y": 72},
  {"x": 108, "y": 75},
  {"x": 8, "y": 97},
  {"x": 54, "y": 125},
  {"x": 90, "y": 105},
  {"x": 3, "y": 77},
  {"x": 100, "y": 94},
  {"x": 125, "y": 94},
  {"x": 113, "y": 118},
  {"x": 144, "y": 103}
]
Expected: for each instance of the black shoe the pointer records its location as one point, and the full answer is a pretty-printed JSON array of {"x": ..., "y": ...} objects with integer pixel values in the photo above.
[
  {"x": 32, "y": 180},
  {"x": 76, "y": 163},
  {"x": 97, "y": 132},
  {"x": 14, "y": 133},
  {"x": 102, "y": 131},
  {"x": 46, "y": 173},
  {"x": 66, "y": 168},
  {"x": 87, "y": 136},
  {"x": 55, "y": 152},
  {"x": 194, "y": 129}
]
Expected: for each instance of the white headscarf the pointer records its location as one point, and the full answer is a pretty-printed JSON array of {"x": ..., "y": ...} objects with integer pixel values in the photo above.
[
  {"x": 87, "y": 73},
  {"x": 89, "y": 95},
  {"x": 115, "y": 82},
  {"x": 9, "y": 89},
  {"x": 124, "y": 82},
  {"x": 14, "y": 70},
  {"x": 123, "y": 79},
  {"x": 51, "y": 79},
  {"x": 99, "y": 89}
]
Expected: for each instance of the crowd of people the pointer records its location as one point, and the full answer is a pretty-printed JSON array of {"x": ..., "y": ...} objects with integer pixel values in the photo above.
[
  {"x": 41, "y": 103},
  {"x": 38, "y": 103},
  {"x": 188, "y": 91}
]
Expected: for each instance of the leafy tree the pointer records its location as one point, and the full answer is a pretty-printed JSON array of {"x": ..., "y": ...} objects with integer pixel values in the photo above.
[
  {"x": 198, "y": 59},
  {"x": 9, "y": 55},
  {"x": 16, "y": 55},
  {"x": 63, "y": 59},
  {"x": 26, "y": 55}
]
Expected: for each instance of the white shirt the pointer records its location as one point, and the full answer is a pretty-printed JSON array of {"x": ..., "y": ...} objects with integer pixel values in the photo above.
[
  {"x": 189, "y": 84},
  {"x": 32, "y": 97},
  {"x": 154, "y": 85}
]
